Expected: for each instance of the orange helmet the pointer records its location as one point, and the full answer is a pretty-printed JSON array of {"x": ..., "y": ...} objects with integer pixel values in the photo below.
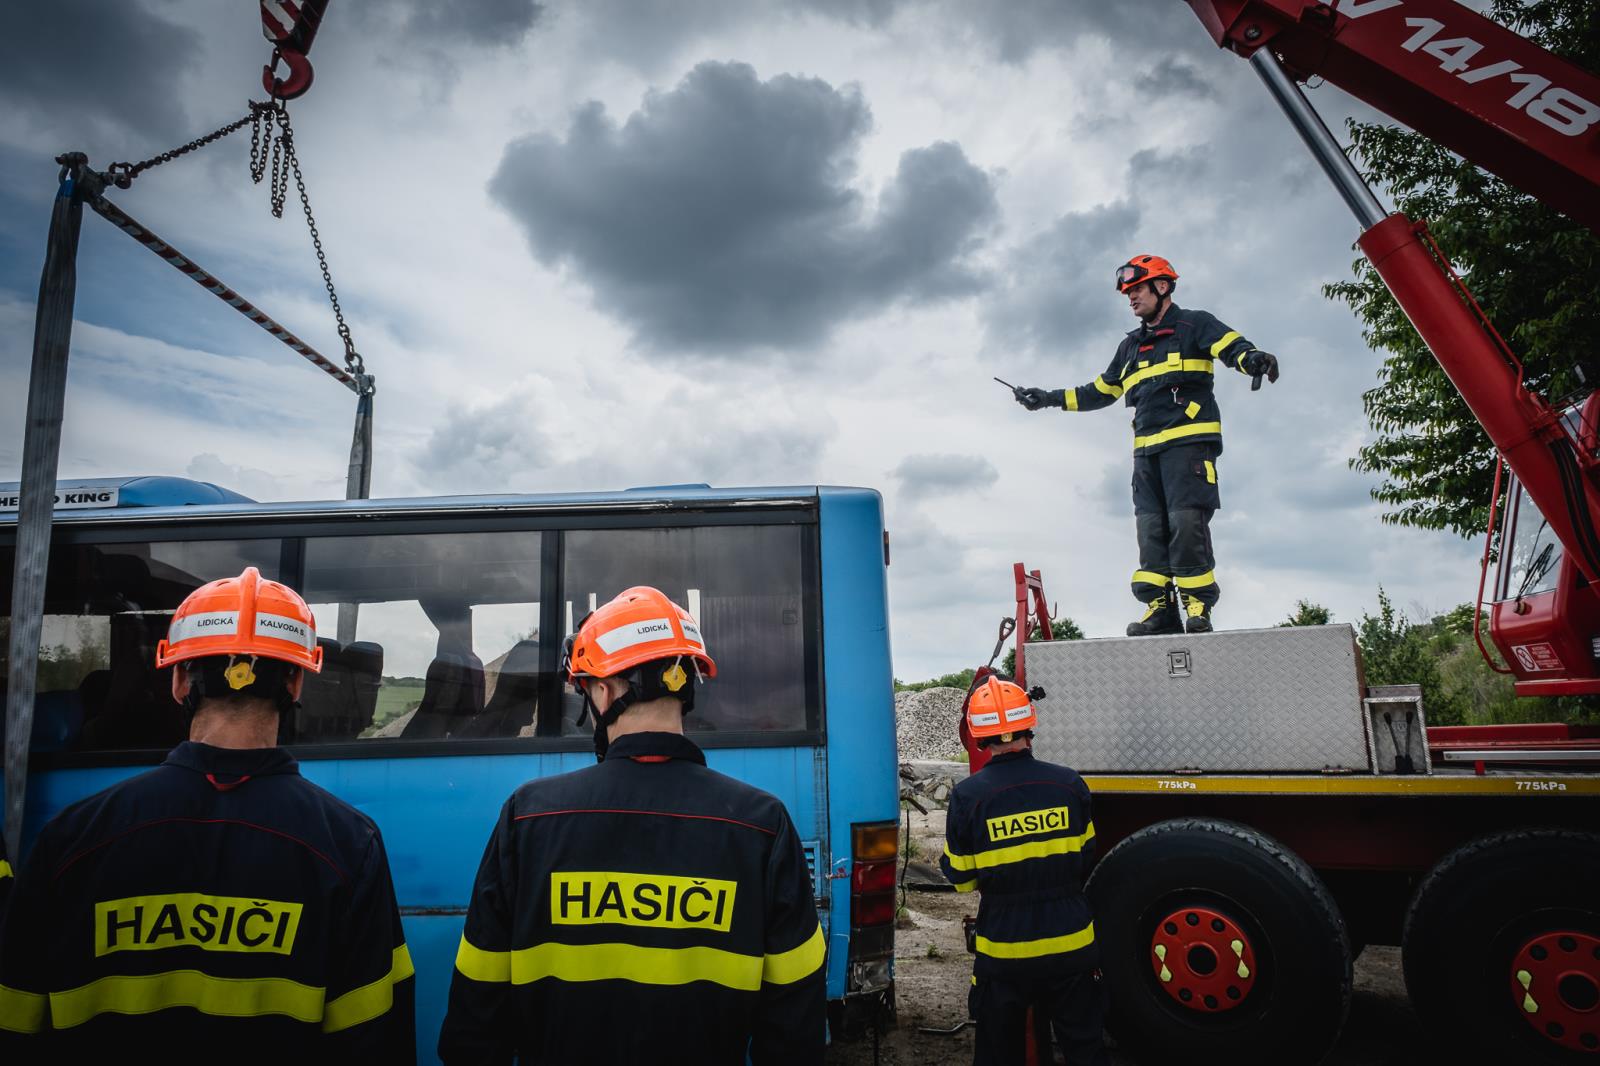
[
  {"x": 1142, "y": 268},
  {"x": 244, "y": 615},
  {"x": 999, "y": 707},
  {"x": 641, "y": 625}
]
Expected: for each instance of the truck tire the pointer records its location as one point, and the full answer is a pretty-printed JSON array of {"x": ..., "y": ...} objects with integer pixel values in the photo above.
[
  {"x": 1219, "y": 944},
  {"x": 1502, "y": 947}
]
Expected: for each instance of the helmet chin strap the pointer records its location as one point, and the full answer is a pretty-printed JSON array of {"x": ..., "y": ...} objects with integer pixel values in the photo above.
[{"x": 643, "y": 687}]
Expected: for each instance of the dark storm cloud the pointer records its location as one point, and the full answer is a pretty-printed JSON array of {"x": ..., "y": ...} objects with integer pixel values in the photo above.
[
  {"x": 720, "y": 215},
  {"x": 1058, "y": 297},
  {"x": 1174, "y": 76},
  {"x": 922, "y": 476},
  {"x": 469, "y": 22},
  {"x": 89, "y": 73}
]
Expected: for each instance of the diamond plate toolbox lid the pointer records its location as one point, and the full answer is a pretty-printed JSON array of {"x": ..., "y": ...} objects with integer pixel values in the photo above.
[{"x": 1247, "y": 700}]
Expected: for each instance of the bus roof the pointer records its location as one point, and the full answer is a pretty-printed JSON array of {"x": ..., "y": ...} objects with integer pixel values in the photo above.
[{"x": 155, "y": 497}]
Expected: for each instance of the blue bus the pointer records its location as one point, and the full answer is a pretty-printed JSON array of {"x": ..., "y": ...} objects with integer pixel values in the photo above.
[{"x": 441, "y": 621}]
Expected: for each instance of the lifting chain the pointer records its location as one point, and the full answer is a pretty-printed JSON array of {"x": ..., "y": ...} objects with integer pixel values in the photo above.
[
  {"x": 280, "y": 149},
  {"x": 278, "y": 152}
]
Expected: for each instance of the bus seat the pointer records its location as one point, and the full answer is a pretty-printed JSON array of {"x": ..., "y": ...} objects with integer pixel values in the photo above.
[
  {"x": 452, "y": 695},
  {"x": 338, "y": 703},
  {"x": 57, "y": 718},
  {"x": 516, "y": 695}
]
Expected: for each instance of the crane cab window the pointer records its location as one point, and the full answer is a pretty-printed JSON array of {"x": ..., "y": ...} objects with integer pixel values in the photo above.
[{"x": 1530, "y": 552}]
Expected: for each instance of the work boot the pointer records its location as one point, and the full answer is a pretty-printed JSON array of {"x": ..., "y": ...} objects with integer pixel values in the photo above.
[
  {"x": 1160, "y": 616},
  {"x": 1197, "y": 615}
]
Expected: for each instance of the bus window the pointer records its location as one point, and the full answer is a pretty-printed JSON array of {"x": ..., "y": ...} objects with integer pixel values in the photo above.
[
  {"x": 106, "y": 607},
  {"x": 745, "y": 585},
  {"x": 446, "y": 637}
]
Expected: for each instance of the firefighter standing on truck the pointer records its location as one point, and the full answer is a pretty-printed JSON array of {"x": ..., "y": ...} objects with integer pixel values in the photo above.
[
  {"x": 1164, "y": 371},
  {"x": 647, "y": 909},
  {"x": 1020, "y": 832},
  {"x": 219, "y": 904}
]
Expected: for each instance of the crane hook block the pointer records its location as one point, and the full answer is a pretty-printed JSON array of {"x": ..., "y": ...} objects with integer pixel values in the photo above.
[
  {"x": 291, "y": 26},
  {"x": 293, "y": 86}
]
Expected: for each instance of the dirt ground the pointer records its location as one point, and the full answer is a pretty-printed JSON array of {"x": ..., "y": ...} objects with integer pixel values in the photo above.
[{"x": 933, "y": 972}]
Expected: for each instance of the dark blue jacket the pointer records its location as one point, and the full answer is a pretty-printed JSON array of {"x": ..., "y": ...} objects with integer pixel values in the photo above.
[
  {"x": 644, "y": 910},
  {"x": 219, "y": 906},
  {"x": 1020, "y": 832}
]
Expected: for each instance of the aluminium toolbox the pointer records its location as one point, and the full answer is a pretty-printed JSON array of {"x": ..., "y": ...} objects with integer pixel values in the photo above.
[{"x": 1247, "y": 700}]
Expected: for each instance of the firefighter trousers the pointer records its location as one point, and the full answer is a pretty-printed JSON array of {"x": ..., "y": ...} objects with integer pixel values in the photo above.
[
  {"x": 1072, "y": 1009},
  {"x": 1174, "y": 496}
]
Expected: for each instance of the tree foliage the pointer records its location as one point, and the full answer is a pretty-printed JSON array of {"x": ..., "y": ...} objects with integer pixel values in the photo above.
[
  {"x": 1532, "y": 269},
  {"x": 1306, "y": 613},
  {"x": 1061, "y": 628}
]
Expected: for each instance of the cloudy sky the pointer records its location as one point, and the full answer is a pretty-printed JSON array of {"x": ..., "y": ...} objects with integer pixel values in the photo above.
[{"x": 785, "y": 241}]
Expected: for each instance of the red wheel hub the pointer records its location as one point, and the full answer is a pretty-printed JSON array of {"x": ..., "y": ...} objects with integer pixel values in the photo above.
[
  {"x": 1555, "y": 983},
  {"x": 1203, "y": 960}
]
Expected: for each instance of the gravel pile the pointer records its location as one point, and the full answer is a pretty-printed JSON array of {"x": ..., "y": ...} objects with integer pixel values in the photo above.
[{"x": 925, "y": 724}]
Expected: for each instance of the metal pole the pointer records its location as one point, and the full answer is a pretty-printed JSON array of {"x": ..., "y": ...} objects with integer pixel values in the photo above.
[
  {"x": 41, "y": 451},
  {"x": 1309, "y": 125},
  {"x": 358, "y": 482}
]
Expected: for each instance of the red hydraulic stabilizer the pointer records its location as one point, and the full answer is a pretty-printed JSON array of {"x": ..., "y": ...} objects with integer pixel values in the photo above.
[
  {"x": 291, "y": 26},
  {"x": 1501, "y": 101}
]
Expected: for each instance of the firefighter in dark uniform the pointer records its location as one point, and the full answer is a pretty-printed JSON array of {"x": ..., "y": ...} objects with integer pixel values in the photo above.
[
  {"x": 1164, "y": 370},
  {"x": 1020, "y": 832},
  {"x": 219, "y": 907},
  {"x": 647, "y": 909}
]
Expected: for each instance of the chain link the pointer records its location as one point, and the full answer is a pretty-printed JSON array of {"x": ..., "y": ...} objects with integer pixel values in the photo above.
[
  {"x": 122, "y": 174},
  {"x": 272, "y": 152},
  {"x": 276, "y": 154}
]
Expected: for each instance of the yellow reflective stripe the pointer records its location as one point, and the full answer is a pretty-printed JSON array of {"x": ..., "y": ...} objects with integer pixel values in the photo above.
[
  {"x": 1199, "y": 581},
  {"x": 1071, "y": 399},
  {"x": 481, "y": 965},
  {"x": 21, "y": 1012},
  {"x": 1112, "y": 391},
  {"x": 787, "y": 967},
  {"x": 966, "y": 886},
  {"x": 641, "y": 965},
  {"x": 1150, "y": 577},
  {"x": 1192, "y": 430},
  {"x": 371, "y": 1000},
  {"x": 1211, "y": 472},
  {"x": 960, "y": 862},
  {"x": 1032, "y": 949},
  {"x": 5, "y": 869},
  {"x": 1221, "y": 345},
  {"x": 1034, "y": 849},
  {"x": 222, "y": 997},
  {"x": 1198, "y": 366}
]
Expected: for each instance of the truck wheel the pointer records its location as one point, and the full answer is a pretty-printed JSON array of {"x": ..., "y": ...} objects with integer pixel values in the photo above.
[
  {"x": 1502, "y": 947},
  {"x": 1219, "y": 944}
]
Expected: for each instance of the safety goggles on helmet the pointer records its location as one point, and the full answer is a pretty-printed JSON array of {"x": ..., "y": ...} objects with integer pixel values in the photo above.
[{"x": 1143, "y": 268}]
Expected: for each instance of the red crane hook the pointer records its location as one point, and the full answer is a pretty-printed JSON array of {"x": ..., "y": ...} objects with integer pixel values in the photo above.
[{"x": 298, "y": 81}]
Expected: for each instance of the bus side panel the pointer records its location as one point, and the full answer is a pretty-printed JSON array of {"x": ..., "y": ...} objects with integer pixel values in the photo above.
[{"x": 862, "y": 763}]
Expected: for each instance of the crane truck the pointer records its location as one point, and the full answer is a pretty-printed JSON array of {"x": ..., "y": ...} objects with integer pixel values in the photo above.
[{"x": 1262, "y": 814}]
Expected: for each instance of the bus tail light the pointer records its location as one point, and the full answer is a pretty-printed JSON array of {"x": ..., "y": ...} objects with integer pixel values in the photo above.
[{"x": 875, "y": 849}]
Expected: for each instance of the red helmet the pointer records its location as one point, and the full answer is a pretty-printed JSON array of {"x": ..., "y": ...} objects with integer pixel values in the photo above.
[
  {"x": 244, "y": 615},
  {"x": 639, "y": 626},
  {"x": 1142, "y": 268},
  {"x": 998, "y": 707}
]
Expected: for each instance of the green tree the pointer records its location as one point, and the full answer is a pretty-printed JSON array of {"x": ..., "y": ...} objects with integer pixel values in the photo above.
[
  {"x": 1531, "y": 268},
  {"x": 1306, "y": 613},
  {"x": 1061, "y": 629},
  {"x": 1394, "y": 651}
]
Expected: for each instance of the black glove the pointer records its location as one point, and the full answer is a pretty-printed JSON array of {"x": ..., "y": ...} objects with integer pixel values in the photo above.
[
  {"x": 1039, "y": 399},
  {"x": 1256, "y": 363}
]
